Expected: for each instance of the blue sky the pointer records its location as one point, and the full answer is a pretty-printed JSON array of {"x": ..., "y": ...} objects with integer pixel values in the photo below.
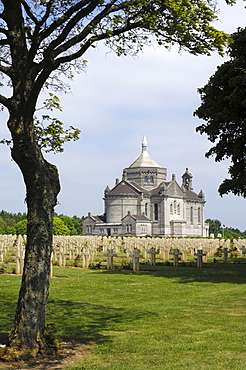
[{"x": 114, "y": 103}]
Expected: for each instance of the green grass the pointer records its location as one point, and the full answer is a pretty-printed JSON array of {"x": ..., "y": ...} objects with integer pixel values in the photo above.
[{"x": 159, "y": 318}]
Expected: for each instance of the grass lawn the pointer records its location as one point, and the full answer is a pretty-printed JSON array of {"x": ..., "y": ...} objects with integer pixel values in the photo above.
[{"x": 159, "y": 318}]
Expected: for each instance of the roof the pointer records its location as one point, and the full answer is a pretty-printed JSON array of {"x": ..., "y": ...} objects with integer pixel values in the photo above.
[
  {"x": 144, "y": 160},
  {"x": 192, "y": 196},
  {"x": 141, "y": 217},
  {"x": 137, "y": 217},
  {"x": 98, "y": 218},
  {"x": 156, "y": 190},
  {"x": 123, "y": 188}
]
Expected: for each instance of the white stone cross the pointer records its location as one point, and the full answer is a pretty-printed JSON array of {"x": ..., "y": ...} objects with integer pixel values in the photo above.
[
  {"x": 243, "y": 249},
  {"x": 199, "y": 255},
  {"x": 176, "y": 254},
  {"x": 153, "y": 252},
  {"x": 110, "y": 255},
  {"x": 225, "y": 252},
  {"x": 135, "y": 259},
  {"x": 85, "y": 257}
]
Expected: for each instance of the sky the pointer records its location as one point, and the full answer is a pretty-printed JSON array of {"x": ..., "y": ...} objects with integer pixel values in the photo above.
[{"x": 117, "y": 101}]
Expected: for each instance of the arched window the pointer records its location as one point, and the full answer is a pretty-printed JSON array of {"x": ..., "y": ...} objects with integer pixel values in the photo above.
[
  {"x": 199, "y": 215},
  {"x": 151, "y": 179},
  {"x": 156, "y": 212},
  {"x": 146, "y": 209},
  {"x": 171, "y": 209},
  {"x": 178, "y": 209},
  {"x": 191, "y": 215},
  {"x": 145, "y": 178},
  {"x": 175, "y": 206}
]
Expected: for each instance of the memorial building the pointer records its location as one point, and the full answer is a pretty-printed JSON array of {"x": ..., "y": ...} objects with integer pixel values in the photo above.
[{"x": 144, "y": 202}]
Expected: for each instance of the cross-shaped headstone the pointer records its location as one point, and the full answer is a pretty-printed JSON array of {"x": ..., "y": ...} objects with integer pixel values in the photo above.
[
  {"x": 176, "y": 254},
  {"x": 153, "y": 252},
  {"x": 110, "y": 255},
  {"x": 135, "y": 259},
  {"x": 225, "y": 252},
  {"x": 243, "y": 249},
  {"x": 85, "y": 257},
  {"x": 199, "y": 255}
]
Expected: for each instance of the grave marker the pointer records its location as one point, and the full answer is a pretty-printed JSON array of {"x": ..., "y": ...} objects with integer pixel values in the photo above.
[
  {"x": 176, "y": 254},
  {"x": 199, "y": 255},
  {"x": 135, "y": 259},
  {"x": 110, "y": 255},
  {"x": 225, "y": 253},
  {"x": 153, "y": 252}
]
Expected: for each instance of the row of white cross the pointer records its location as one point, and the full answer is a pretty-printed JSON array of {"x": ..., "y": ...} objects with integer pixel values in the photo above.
[{"x": 86, "y": 248}]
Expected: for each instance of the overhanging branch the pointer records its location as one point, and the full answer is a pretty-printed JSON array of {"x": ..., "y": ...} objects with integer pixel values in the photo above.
[{"x": 5, "y": 101}]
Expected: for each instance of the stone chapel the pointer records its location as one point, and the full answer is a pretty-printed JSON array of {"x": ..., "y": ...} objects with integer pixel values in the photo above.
[{"x": 145, "y": 203}]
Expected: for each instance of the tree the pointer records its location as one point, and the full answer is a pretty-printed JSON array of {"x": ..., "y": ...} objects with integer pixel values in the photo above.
[
  {"x": 71, "y": 224},
  {"x": 41, "y": 41},
  {"x": 21, "y": 227},
  {"x": 223, "y": 109},
  {"x": 2, "y": 225},
  {"x": 59, "y": 227},
  {"x": 214, "y": 226}
]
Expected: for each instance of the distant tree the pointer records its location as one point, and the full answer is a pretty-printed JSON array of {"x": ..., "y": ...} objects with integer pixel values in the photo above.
[
  {"x": 21, "y": 227},
  {"x": 10, "y": 230},
  {"x": 59, "y": 227},
  {"x": 69, "y": 222},
  {"x": 2, "y": 226},
  {"x": 214, "y": 226},
  {"x": 223, "y": 109},
  {"x": 41, "y": 41},
  {"x": 230, "y": 234},
  {"x": 77, "y": 222}
]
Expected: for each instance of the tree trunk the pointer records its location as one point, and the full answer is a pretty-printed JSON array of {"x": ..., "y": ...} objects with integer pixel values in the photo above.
[{"x": 42, "y": 184}]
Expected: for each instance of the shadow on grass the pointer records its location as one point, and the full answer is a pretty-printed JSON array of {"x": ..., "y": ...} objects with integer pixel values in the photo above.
[
  {"x": 210, "y": 272},
  {"x": 78, "y": 321},
  {"x": 7, "y": 311},
  {"x": 87, "y": 323}
]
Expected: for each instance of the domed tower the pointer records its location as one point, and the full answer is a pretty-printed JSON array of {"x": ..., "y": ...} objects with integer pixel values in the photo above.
[{"x": 144, "y": 171}]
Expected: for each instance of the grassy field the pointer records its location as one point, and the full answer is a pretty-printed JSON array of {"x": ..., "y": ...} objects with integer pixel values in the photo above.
[{"x": 159, "y": 318}]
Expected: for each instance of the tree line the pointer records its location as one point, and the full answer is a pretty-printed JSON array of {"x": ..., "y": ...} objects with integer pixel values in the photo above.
[
  {"x": 16, "y": 224},
  {"x": 215, "y": 227}
]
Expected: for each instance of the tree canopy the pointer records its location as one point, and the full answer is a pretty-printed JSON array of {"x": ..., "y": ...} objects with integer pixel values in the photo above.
[
  {"x": 223, "y": 109},
  {"x": 48, "y": 36}
]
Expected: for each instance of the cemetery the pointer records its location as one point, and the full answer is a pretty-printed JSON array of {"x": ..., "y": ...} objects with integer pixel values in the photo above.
[
  {"x": 104, "y": 252},
  {"x": 139, "y": 303}
]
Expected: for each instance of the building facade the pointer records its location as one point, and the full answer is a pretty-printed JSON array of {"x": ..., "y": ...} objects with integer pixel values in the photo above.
[{"x": 145, "y": 203}]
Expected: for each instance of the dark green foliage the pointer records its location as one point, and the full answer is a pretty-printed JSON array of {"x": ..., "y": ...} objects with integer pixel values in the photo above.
[
  {"x": 74, "y": 224},
  {"x": 16, "y": 224},
  {"x": 223, "y": 109},
  {"x": 21, "y": 227},
  {"x": 12, "y": 223},
  {"x": 216, "y": 228}
]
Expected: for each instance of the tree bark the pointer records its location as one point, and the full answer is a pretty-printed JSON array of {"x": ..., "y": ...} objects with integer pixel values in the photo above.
[{"x": 41, "y": 178}]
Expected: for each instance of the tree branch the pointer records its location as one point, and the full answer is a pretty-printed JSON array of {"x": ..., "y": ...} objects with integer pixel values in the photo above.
[
  {"x": 5, "y": 70},
  {"x": 70, "y": 25},
  {"x": 4, "y": 42},
  {"x": 63, "y": 19},
  {"x": 5, "y": 101},
  {"x": 104, "y": 36},
  {"x": 28, "y": 11},
  {"x": 87, "y": 30}
]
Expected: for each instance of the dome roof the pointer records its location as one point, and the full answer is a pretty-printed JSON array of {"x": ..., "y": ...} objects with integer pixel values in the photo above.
[{"x": 144, "y": 160}]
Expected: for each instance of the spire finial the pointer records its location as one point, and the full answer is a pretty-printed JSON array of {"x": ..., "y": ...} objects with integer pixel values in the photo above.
[{"x": 144, "y": 144}]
